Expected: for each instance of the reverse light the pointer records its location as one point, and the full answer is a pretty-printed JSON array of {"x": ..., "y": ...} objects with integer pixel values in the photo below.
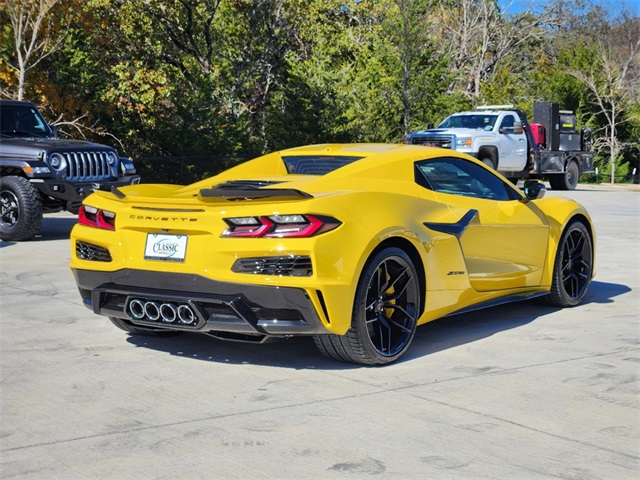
[
  {"x": 281, "y": 226},
  {"x": 96, "y": 217}
]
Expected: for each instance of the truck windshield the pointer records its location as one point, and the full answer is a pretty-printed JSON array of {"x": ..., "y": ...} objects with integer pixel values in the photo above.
[
  {"x": 475, "y": 121},
  {"x": 22, "y": 121}
]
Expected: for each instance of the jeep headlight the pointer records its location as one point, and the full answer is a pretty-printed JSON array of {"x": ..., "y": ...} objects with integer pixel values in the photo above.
[
  {"x": 112, "y": 160},
  {"x": 57, "y": 162},
  {"x": 464, "y": 141}
]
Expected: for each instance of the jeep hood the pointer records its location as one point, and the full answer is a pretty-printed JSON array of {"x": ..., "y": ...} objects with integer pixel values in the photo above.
[{"x": 31, "y": 148}]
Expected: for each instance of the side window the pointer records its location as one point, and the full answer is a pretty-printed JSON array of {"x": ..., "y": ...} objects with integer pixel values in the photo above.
[
  {"x": 508, "y": 121},
  {"x": 456, "y": 176}
]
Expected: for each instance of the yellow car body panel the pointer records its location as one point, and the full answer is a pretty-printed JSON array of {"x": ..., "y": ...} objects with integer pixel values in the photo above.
[{"x": 507, "y": 249}]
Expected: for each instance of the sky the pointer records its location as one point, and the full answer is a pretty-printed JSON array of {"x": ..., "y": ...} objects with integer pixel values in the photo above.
[{"x": 615, "y": 7}]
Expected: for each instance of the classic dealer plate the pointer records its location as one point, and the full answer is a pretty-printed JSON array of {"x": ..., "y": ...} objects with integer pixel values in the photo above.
[{"x": 170, "y": 248}]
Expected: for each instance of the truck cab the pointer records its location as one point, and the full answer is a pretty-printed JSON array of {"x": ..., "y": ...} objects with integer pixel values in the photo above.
[{"x": 494, "y": 136}]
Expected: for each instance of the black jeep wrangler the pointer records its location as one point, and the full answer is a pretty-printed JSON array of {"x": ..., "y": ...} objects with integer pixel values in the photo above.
[{"x": 41, "y": 173}]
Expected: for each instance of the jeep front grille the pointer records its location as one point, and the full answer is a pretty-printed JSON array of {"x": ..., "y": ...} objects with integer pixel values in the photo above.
[
  {"x": 88, "y": 166},
  {"x": 290, "y": 266},
  {"x": 442, "y": 141},
  {"x": 94, "y": 253}
]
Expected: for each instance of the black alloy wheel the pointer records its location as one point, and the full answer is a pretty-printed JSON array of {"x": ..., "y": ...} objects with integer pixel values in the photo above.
[
  {"x": 20, "y": 209},
  {"x": 10, "y": 209},
  {"x": 573, "y": 267},
  {"x": 385, "y": 313},
  {"x": 391, "y": 306}
]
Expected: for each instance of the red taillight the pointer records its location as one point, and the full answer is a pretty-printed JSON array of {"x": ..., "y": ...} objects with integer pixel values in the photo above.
[
  {"x": 280, "y": 226},
  {"x": 95, "y": 217}
]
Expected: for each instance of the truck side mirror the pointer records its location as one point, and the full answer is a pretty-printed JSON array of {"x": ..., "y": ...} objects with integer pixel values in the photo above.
[
  {"x": 534, "y": 189},
  {"x": 54, "y": 131},
  {"x": 430, "y": 126}
]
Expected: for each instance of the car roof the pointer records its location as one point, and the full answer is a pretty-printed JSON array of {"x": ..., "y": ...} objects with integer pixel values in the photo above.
[
  {"x": 15, "y": 102},
  {"x": 344, "y": 149}
]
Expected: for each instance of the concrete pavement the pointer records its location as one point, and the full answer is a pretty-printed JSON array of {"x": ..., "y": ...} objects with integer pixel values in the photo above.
[{"x": 517, "y": 391}]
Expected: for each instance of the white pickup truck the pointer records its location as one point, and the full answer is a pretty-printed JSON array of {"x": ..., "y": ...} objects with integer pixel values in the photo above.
[{"x": 501, "y": 137}]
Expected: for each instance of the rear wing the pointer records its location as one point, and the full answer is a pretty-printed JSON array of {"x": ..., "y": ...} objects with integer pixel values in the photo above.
[{"x": 248, "y": 190}]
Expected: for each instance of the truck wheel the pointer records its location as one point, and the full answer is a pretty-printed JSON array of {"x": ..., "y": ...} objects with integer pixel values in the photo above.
[
  {"x": 21, "y": 204},
  {"x": 135, "y": 330},
  {"x": 488, "y": 162},
  {"x": 567, "y": 180}
]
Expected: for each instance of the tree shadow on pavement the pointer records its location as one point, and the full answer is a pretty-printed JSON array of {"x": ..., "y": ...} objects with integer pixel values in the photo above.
[{"x": 300, "y": 352}]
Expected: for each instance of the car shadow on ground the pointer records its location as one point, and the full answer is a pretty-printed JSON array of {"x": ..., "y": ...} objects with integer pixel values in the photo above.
[
  {"x": 300, "y": 352},
  {"x": 53, "y": 228}
]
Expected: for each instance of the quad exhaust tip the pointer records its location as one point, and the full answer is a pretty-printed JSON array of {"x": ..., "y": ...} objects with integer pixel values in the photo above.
[{"x": 167, "y": 312}]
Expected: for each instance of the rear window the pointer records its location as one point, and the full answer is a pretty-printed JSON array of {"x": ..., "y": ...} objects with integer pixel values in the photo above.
[{"x": 316, "y": 164}]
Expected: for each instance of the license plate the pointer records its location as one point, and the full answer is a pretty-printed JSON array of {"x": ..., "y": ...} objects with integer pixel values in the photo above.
[{"x": 169, "y": 248}]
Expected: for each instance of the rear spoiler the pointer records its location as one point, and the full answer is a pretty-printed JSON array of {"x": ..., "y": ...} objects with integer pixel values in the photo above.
[{"x": 236, "y": 194}]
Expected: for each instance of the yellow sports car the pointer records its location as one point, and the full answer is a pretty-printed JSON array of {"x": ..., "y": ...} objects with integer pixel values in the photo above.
[{"x": 353, "y": 244}]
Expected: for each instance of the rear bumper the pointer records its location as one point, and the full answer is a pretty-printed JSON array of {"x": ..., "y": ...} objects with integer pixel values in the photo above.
[{"x": 219, "y": 306}]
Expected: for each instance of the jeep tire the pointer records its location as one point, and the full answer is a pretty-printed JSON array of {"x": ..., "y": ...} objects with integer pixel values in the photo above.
[{"x": 21, "y": 209}]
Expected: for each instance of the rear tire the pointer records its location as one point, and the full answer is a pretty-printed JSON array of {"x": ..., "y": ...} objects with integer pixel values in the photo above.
[
  {"x": 385, "y": 313},
  {"x": 135, "y": 330},
  {"x": 567, "y": 180},
  {"x": 573, "y": 267},
  {"x": 21, "y": 214}
]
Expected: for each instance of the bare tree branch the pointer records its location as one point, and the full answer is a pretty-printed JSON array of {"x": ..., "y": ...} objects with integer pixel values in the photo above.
[
  {"x": 34, "y": 35},
  {"x": 82, "y": 128}
]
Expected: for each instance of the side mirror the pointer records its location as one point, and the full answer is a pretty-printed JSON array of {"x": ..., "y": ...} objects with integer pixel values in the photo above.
[
  {"x": 54, "y": 131},
  {"x": 534, "y": 189},
  {"x": 430, "y": 126}
]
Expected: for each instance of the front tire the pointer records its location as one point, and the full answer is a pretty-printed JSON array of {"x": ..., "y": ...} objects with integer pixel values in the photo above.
[
  {"x": 573, "y": 267},
  {"x": 135, "y": 330},
  {"x": 385, "y": 313},
  {"x": 21, "y": 209},
  {"x": 488, "y": 162}
]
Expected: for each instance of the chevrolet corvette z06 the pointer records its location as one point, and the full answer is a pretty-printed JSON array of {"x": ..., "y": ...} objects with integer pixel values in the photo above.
[{"x": 352, "y": 244}]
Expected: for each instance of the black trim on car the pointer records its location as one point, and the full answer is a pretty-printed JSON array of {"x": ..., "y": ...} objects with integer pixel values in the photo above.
[
  {"x": 456, "y": 228},
  {"x": 224, "y": 306},
  {"x": 241, "y": 193}
]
